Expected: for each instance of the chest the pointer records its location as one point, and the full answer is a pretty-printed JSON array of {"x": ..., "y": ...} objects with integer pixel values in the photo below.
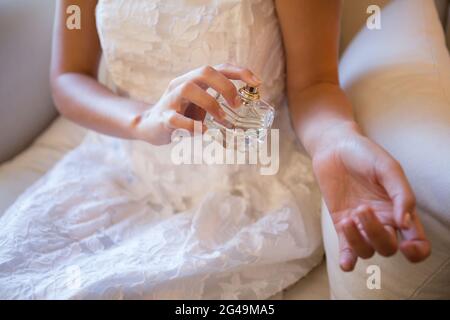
[{"x": 197, "y": 26}]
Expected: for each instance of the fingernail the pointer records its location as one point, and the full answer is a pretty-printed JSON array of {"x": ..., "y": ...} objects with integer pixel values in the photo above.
[
  {"x": 356, "y": 220},
  {"x": 237, "y": 101},
  {"x": 407, "y": 221},
  {"x": 345, "y": 264},
  {"x": 256, "y": 79}
]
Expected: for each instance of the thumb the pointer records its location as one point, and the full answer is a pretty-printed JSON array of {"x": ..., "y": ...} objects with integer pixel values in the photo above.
[
  {"x": 394, "y": 181},
  {"x": 415, "y": 245}
]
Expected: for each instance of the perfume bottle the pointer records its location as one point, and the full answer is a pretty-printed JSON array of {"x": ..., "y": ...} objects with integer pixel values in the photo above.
[{"x": 249, "y": 122}]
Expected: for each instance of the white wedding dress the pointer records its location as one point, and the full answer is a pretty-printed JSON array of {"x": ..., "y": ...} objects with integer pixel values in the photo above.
[{"x": 116, "y": 219}]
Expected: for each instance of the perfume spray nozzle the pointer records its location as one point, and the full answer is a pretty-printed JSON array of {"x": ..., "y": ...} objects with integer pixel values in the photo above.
[{"x": 249, "y": 93}]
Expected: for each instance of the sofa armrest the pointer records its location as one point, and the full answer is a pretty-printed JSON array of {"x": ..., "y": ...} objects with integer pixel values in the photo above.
[
  {"x": 26, "y": 106},
  {"x": 355, "y": 16}
]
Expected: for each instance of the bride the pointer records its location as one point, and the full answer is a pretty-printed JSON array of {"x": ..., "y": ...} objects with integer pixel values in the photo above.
[{"x": 115, "y": 218}]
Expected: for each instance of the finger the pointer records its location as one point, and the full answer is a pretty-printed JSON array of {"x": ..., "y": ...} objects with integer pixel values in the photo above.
[
  {"x": 193, "y": 93},
  {"x": 174, "y": 120},
  {"x": 194, "y": 112},
  {"x": 354, "y": 238},
  {"x": 208, "y": 77},
  {"x": 220, "y": 83},
  {"x": 414, "y": 245},
  {"x": 347, "y": 256},
  {"x": 238, "y": 73},
  {"x": 394, "y": 181},
  {"x": 382, "y": 240}
]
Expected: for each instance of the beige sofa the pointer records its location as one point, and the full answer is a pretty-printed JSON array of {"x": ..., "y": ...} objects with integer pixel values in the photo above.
[{"x": 31, "y": 140}]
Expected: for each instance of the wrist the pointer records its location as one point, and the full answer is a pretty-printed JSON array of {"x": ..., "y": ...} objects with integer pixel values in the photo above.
[
  {"x": 149, "y": 126},
  {"x": 321, "y": 115},
  {"x": 135, "y": 122},
  {"x": 134, "y": 125},
  {"x": 332, "y": 135}
]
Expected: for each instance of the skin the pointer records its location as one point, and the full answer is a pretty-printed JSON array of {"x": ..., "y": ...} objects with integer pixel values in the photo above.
[{"x": 366, "y": 191}]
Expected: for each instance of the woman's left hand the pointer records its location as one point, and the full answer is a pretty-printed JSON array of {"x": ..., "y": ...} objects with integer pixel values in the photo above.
[{"x": 369, "y": 198}]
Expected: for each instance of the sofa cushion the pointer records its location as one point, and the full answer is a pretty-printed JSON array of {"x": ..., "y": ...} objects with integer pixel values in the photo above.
[
  {"x": 25, "y": 102},
  {"x": 23, "y": 170}
]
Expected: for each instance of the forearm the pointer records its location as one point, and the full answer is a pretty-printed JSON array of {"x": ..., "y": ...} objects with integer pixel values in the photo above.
[
  {"x": 85, "y": 101},
  {"x": 319, "y": 110},
  {"x": 311, "y": 41}
]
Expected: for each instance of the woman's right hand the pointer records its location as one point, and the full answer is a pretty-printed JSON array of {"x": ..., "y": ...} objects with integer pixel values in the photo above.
[{"x": 186, "y": 101}]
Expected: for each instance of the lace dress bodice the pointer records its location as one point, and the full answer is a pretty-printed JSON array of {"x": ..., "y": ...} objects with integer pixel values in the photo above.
[{"x": 147, "y": 43}]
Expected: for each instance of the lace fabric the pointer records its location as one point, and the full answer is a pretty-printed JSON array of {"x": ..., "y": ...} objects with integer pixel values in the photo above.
[
  {"x": 148, "y": 43},
  {"x": 117, "y": 219}
]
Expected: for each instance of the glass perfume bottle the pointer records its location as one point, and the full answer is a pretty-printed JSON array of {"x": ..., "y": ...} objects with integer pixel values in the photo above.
[{"x": 249, "y": 122}]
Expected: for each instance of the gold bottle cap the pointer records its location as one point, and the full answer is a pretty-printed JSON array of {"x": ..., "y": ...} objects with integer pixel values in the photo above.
[{"x": 249, "y": 93}]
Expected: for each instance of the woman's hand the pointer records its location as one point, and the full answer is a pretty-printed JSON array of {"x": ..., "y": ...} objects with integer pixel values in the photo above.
[
  {"x": 186, "y": 101},
  {"x": 369, "y": 198}
]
